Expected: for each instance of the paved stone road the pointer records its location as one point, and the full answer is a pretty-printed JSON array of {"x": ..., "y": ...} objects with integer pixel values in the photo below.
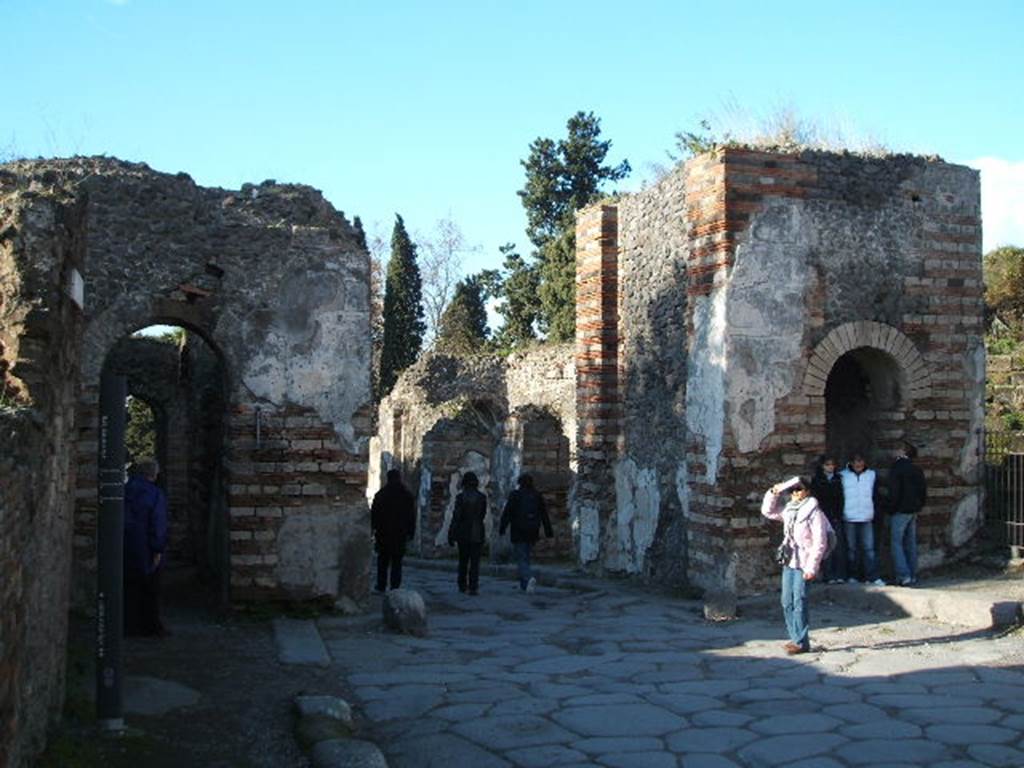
[{"x": 619, "y": 679}]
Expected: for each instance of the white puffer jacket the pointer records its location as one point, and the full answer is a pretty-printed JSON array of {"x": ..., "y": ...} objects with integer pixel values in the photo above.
[{"x": 858, "y": 495}]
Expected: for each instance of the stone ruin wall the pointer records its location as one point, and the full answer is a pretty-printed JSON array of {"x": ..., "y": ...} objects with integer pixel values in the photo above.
[
  {"x": 273, "y": 278},
  {"x": 41, "y": 248},
  {"x": 497, "y": 417},
  {"x": 770, "y": 267}
]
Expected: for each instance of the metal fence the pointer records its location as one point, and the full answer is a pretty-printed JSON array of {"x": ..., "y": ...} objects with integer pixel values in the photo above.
[{"x": 1004, "y": 488}]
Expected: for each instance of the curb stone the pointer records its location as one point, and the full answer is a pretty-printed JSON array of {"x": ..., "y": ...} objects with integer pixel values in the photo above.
[{"x": 324, "y": 727}]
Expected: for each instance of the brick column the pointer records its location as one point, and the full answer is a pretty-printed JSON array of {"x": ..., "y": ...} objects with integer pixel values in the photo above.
[{"x": 598, "y": 398}]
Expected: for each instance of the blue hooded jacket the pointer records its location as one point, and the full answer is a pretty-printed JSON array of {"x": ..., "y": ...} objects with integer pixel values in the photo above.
[{"x": 145, "y": 524}]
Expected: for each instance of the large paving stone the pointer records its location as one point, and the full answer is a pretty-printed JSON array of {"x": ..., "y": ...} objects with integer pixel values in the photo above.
[
  {"x": 707, "y": 761},
  {"x": 682, "y": 703},
  {"x": 856, "y": 713},
  {"x": 442, "y": 750},
  {"x": 153, "y": 696},
  {"x": 874, "y": 751},
  {"x": 719, "y": 717},
  {"x": 618, "y": 720},
  {"x": 955, "y": 715},
  {"x": 882, "y": 729},
  {"x": 639, "y": 760},
  {"x": 969, "y": 734},
  {"x": 785, "y": 750},
  {"x": 805, "y": 723},
  {"x": 405, "y": 701},
  {"x": 612, "y": 744},
  {"x": 997, "y": 755},
  {"x": 299, "y": 642},
  {"x": 544, "y": 756},
  {"x": 513, "y": 731},
  {"x": 709, "y": 739}
]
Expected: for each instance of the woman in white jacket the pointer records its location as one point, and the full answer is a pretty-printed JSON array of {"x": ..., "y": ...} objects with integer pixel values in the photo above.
[{"x": 858, "y": 519}]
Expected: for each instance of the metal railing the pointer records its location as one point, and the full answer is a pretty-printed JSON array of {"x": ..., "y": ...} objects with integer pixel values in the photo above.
[{"x": 1004, "y": 488}]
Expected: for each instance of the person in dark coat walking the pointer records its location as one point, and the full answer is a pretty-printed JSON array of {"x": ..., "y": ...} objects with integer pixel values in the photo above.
[
  {"x": 827, "y": 488},
  {"x": 145, "y": 539},
  {"x": 525, "y": 512},
  {"x": 467, "y": 530},
  {"x": 393, "y": 521},
  {"x": 908, "y": 492}
]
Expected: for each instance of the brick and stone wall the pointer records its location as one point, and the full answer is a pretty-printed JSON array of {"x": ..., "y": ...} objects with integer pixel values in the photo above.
[
  {"x": 41, "y": 253},
  {"x": 497, "y": 417},
  {"x": 740, "y": 285}
]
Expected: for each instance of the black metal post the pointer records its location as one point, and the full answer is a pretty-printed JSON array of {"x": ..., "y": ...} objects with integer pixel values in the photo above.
[{"x": 110, "y": 553}]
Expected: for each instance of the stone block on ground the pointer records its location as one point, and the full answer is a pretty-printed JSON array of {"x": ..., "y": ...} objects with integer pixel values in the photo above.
[
  {"x": 720, "y": 605},
  {"x": 347, "y": 753},
  {"x": 405, "y": 612},
  {"x": 330, "y": 707},
  {"x": 299, "y": 642}
]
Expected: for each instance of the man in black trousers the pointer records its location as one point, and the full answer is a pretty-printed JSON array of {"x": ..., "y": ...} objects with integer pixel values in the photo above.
[{"x": 393, "y": 521}]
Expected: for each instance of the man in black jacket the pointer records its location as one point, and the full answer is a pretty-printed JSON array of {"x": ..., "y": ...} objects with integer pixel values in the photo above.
[
  {"x": 525, "y": 512},
  {"x": 908, "y": 492},
  {"x": 393, "y": 521},
  {"x": 467, "y": 530},
  {"x": 827, "y": 488}
]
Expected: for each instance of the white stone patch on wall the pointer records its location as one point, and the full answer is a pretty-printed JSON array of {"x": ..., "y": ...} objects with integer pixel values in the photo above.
[
  {"x": 471, "y": 462},
  {"x": 974, "y": 369},
  {"x": 966, "y": 519},
  {"x": 683, "y": 489},
  {"x": 376, "y": 469},
  {"x": 307, "y": 551},
  {"x": 310, "y": 350},
  {"x": 766, "y": 316},
  {"x": 587, "y": 530},
  {"x": 422, "y": 503},
  {"x": 705, "y": 390},
  {"x": 637, "y": 504},
  {"x": 505, "y": 470}
]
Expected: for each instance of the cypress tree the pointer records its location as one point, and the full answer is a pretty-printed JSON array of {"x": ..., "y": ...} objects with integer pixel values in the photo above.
[
  {"x": 403, "y": 309},
  {"x": 463, "y": 327}
]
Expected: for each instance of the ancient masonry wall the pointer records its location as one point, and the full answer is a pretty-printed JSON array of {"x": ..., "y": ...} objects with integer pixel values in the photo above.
[
  {"x": 497, "y": 417},
  {"x": 41, "y": 255},
  {"x": 791, "y": 263}
]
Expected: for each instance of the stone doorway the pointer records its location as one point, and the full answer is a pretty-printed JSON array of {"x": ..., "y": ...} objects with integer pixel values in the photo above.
[
  {"x": 864, "y": 399},
  {"x": 181, "y": 378}
]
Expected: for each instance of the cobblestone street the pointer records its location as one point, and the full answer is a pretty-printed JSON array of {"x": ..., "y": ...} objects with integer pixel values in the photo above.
[{"x": 618, "y": 678}]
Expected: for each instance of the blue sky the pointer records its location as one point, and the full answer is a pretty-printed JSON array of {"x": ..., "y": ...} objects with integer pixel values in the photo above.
[{"x": 426, "y": 108}]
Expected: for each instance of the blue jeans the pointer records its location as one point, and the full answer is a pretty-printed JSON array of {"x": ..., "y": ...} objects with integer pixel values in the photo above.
[
  {"x": 794, "y": 606},
  {"x": 521, "y": 550},
  {"x": 904, "y": 546},
  {"x": 860, "y": 540}
]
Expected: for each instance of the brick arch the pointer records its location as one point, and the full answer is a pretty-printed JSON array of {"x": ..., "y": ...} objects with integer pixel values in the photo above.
[{"x": 868, "y": 333}]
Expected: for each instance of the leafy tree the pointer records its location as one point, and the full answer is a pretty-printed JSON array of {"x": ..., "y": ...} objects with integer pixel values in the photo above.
[
  {"x": 562, "y": 177},
  {"x": 139, "y": 430},
  {"x": 1004, "y": 285},
  {"x": 463, "y": 326},
  {"x": 517, "y": 287},
  {"x": 376, "y": 246},
  {"x": 403, "y": 309}
]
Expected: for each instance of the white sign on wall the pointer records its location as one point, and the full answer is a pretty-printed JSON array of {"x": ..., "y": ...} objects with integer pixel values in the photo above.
[{"x": 76, "y": 288}]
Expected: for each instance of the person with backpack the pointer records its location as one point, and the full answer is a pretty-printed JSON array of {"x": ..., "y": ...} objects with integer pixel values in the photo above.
[
  {"x": 805, "y": 541},
  {"x": 908, "y": 492},
  {"x": 467, "y": 530},
  {"x": 827, "y": 488},
  {"x": 525, "y": 512}
]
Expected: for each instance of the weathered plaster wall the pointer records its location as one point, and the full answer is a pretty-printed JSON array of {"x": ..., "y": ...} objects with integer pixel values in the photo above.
[
  {"x": 41, "y": 249},
  {"x": 494, "y": 416}
]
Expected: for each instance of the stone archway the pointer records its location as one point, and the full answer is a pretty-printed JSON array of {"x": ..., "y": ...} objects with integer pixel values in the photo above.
[{"x": 867, "y": 375}]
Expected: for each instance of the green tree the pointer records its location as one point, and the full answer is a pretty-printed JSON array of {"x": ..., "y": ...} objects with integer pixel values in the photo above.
[
  {"x": 1004, "y": 285},
  {"x": 463, "y": 326},
  {"x": 561, "y": 178},
  {"x": 139, "y": 430},
  {"x": 403, "y": 309},
  {"x": 516, "y": 287}
]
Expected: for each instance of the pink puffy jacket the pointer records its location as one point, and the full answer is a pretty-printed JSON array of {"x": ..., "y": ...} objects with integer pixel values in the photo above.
[{"x": 806, "y": 527}]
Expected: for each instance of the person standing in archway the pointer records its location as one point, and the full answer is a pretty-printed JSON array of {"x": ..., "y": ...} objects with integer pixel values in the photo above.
[
  {"x": 908, "y": 492},
  {"x": 858, "y": 520},
  {"x": 145, "y": 539},
  {"x": 467, "y": 530},
  {"x": 525, "y": 512},
  {"x": 827, "y": 488},
  {"x": 393, "y": 522}
]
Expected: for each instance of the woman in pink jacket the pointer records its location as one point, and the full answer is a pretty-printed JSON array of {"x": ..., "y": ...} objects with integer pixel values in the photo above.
[{"x": 804, "y": 541}]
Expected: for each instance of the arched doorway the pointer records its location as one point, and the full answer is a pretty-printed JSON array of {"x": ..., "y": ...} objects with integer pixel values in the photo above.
[
  {"x": 864, "y": 399},
  {"x": 180, "y": 379}
]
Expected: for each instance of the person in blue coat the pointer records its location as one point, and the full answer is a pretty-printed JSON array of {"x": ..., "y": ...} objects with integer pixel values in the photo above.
[{"x": 145, "y": 540}]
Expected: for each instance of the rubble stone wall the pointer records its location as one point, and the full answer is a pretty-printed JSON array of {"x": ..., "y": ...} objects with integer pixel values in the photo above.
[{"x": 41, "y": 254}]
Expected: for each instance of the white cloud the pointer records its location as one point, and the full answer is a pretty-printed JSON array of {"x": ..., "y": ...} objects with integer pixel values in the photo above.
[{"x": 1002, "y": 201}]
